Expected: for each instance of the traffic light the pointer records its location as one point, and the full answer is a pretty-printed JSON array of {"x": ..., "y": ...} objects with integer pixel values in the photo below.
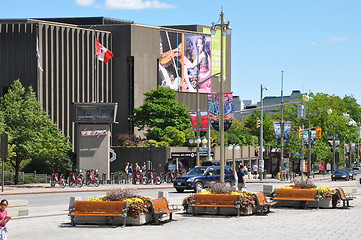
[
  {"x": 318, "y": 133},
  {"x": 300, "y": 133},
  {"x": 213, "y": 142},
  {"x": 258, "y": 123},
  {"x": 256, "y": 152}
]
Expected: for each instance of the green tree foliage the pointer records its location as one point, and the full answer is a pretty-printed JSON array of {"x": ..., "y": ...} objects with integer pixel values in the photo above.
[
  {"x": 34, "y": 136},
  {"x": 159, "y": 111}
]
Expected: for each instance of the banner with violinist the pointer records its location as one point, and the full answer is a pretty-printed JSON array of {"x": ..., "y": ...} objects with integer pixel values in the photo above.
[{"x": 185, "y": 62}]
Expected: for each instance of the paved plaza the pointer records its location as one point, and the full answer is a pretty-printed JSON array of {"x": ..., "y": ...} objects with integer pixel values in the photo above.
[{"x": 281, "y": 223}]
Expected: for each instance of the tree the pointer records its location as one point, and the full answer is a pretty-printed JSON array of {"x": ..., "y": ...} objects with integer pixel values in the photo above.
[
  {"x": 33, "y": 135},
  {"x": 159, "y": 111}
]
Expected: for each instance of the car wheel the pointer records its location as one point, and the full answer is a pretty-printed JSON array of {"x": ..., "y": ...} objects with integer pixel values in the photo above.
[
  {"x": 180, "y": 190},
  {"x": 198, "y": 187}
]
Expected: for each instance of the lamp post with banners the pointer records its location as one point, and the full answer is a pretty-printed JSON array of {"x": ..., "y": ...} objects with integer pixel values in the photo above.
[{"x": 225, "y": 28}]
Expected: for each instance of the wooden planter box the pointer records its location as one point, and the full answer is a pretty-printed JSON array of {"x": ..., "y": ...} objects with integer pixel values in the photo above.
[
  {"x": 221, "y": 210},
  {"x": 292, "y": 193}
]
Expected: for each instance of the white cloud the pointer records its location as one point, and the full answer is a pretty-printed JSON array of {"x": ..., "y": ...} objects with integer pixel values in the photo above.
[
  {"x": 136, "y": 4},
  {"x": 331, "y": 40},
  {"x": 85, "y": 3}
]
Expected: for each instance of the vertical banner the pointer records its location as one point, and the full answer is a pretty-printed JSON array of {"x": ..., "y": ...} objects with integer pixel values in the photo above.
[
  {"x": 213, "y": 110},
  {"x": 286, "y": 128},
  {"x": 204, "y": 122}
]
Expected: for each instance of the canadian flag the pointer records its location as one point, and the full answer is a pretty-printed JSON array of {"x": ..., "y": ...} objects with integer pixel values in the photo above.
[{"x": 103, "y": 53}]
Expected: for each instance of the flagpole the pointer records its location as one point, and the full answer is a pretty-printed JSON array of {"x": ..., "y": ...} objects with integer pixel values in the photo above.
[{"x": 95, "y": 79}]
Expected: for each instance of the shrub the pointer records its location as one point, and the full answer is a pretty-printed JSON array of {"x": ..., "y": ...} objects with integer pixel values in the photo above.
[{"x": 116, "y": 194}]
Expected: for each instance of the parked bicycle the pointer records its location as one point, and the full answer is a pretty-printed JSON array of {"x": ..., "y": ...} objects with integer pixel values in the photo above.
[
  {"x": 153, "y": 178},
  {"x": 57, "y": 180},
  {"x": 92, "y": 177},
  {"x": 170, "y": 176},
  {"x": 76, "y": 180},
  {"x": 139, "y": 177}
]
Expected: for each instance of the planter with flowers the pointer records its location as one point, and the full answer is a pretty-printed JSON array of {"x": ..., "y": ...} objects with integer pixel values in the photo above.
[
  {"x": 247, "y": 201},
  {"x": 324, "y": 194},
  {"x": 138, "y": 213}
]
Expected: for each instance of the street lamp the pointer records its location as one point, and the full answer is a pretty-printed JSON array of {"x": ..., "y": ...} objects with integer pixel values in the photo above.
[
  {"x": 225, "y": 29},
  {"x": 234, "y": 147},
  {"x": 261, "y": 161},
  {"x": 329, "y": 111}
]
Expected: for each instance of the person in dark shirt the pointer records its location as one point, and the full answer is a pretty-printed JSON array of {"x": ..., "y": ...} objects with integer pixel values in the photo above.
[{"x": 241, "y": 178}]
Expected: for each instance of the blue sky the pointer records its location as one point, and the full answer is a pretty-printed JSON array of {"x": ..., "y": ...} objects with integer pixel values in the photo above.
[{"x": 317, "y": 43}]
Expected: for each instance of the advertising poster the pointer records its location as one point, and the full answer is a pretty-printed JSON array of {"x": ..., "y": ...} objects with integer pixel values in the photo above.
[
  {"x": 170, "y": 67},
  {"x": 216, "y": 51},
  {"x": 185, "y": 59},
  {"x": 204, "y": 122},
  {"x": 213, "y": 110},
  {"x": 197, "y": 63}
]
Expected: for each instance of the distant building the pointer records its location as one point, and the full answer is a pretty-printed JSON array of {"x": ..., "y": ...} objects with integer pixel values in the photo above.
[{"x": 249, "y": 108}]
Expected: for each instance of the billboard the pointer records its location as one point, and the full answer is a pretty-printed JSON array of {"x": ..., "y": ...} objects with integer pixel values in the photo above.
[{"x": 185, "y": 59}]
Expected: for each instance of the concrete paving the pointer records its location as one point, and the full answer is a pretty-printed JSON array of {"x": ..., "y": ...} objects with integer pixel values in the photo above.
[{"x": 281, "y": 223}]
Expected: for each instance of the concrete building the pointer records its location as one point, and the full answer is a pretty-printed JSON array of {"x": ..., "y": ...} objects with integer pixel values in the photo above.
[{"x": 66, "y": 70}]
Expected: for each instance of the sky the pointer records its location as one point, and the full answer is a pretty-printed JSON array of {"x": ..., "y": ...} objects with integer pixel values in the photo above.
[{"x": 315, "y": 43}]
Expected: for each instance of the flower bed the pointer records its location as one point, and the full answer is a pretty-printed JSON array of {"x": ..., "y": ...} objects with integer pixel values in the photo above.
[
  {"x": 324, "y": 194},
  {"x": 247, "y": 206},
  {"x": 138, "y": 213}
]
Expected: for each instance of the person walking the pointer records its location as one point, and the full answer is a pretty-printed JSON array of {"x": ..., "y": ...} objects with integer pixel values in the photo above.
[
  {"x": 4, "y": 219},
  {"x": 248, "y": 171},
  {"x": 241, "y": 178},
  {"x": 130, "y": 173},
  {"x": 126, "y": 170},
  {"x": 255, "y": 171}
]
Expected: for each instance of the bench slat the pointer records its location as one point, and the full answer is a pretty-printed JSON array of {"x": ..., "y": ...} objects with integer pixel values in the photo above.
[{"x": 159, "y": 207}]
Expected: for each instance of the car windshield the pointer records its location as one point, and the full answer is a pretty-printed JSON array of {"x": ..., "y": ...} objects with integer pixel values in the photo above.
[
  {"x": 349, "y": 169},
  {"x": 197, "y": 171},
  {"x": 340, "y": 171}
]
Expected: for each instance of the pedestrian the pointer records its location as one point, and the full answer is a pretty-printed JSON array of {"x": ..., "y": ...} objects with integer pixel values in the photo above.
[
  {"x": 144, "y": 167},
  {"x": 126, "y": 170},
  {"x": 255, "y": 171},
  {"x": 241, "y": 178},
  {"x": 249, "y": 171},
  {"x": 4, "y": 219},
  {"x": 136, "y": 167},
  {"x": 130, "y": 173}
]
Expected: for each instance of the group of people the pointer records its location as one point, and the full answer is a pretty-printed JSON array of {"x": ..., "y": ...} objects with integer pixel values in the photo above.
[
  {"x": 241, "y": 175},
  {"x": 130, "y": 170}
]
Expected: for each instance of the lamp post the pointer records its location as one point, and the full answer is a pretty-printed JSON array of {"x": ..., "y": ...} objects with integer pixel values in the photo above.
[
  {"x": 261, "y": 161},
  {"x": 225, "y": 29},
  {"x": 329, "y": 111},
  {"x": 234, "y": 147}
]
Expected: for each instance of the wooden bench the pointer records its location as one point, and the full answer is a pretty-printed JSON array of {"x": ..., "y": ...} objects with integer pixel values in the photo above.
[
  {"x": 345, "y": 199},
  {"x": 107, "y": 209},
  {"x": 217, "y": 201},
  {"x": 300, "y": 195},
  {"x": 262, "y": 204},
  {"x": 159, "y": 207}
]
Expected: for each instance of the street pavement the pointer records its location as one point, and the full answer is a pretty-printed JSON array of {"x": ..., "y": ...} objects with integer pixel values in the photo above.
[{"x": 281, "y": 223}]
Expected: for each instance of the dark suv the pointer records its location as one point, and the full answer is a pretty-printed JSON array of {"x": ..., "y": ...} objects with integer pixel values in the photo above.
[{"x": 200, "y": 177}]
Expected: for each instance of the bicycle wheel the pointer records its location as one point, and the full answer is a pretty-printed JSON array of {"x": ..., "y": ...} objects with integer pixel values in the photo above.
[
  {"x": 70, "y": 181},
  {"x": 52, "y": 183},
  {"x": 158, "y": 180},
  {"x": 62, "y": 183},
  {"x": 96, "y": 182}
]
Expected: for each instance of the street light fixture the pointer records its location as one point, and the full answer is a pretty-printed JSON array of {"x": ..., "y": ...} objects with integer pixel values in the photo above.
[
  {"x": 234, "y": 147},
  {"x": 225, "y": 29}
]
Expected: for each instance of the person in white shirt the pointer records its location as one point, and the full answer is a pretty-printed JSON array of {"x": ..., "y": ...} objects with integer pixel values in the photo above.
[{"x": 255, "y": 171}]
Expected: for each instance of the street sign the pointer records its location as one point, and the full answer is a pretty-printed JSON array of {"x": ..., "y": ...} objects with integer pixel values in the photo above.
[{"x": 301, "y": 113}]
